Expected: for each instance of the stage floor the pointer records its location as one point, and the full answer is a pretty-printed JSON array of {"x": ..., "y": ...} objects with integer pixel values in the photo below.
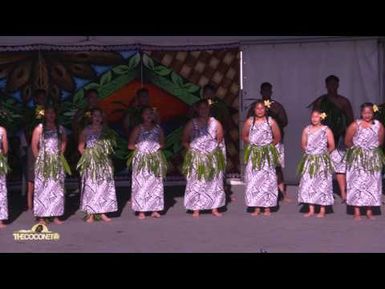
[{"x": 236, "y": 231}]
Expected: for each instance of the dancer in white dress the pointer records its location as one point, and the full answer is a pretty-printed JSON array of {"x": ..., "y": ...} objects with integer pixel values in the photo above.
[
  {"x": 98, "y": 195},
  {"x": 315, "y": 168},
  {"x": 48, "y": 145},
  {"x": 261, "y": 133},
  {"x": 204, "y": 162},
  {"x": 4, "y": 169},
  {"x": 364, "y": 162},
  {"x": 149, "y": 165}
]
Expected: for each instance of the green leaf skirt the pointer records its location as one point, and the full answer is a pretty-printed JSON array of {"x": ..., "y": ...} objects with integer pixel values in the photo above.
[
  {"x": 368, "y": 160},
  {"x": 259, "y": 155},
  {"x": 206, "y": 166},
  {"x": 315, "y": 164},
  {"x": 4, "y": 167},
  {"x": 155, "y": 162},
  {"x": 51, "y": 165}
]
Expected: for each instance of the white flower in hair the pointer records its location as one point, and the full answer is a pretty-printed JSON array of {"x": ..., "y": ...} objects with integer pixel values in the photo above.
[{"x": 268, "y": 103}]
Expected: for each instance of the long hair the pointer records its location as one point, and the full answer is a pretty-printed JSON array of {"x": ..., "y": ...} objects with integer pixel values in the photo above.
[
  {"x": 57, "y": 125},
  {"x": 251, "y": 111}
]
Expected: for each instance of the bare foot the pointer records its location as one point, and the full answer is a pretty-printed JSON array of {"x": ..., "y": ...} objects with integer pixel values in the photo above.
[
  {"x": 308, "y": 214},
  {"x": 370, "y": 216},
  {"x": 90, "y": 219},
  {"x": 256, "y": 213},
  {"x": 155, "y": 215},
  {"x": 322, "y": 212},
  {"x": 57, "y": 221},
  {"x": 105, "y": 218},
  {"x": 195, "y": 214},
  {"x": 357, "y": 218},
  {"x": 216, "y": 213},
  {"x": 2, "y": 225},
  {"x": 142, "y": 216},
  {"x": 267, "y": 212}
]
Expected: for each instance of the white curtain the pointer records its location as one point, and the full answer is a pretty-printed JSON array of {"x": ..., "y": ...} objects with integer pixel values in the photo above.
[{"x": 297, "y": 73}]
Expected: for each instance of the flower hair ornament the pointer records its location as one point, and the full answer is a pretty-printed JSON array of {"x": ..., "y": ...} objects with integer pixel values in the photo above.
[
  {"x": 211, "y": 102},
  {"x": 267, "y": 103},
  {"x": 39, "y": 112},
  {"x": 323, "y": 116},
  {"x": 375, "y": 108}
]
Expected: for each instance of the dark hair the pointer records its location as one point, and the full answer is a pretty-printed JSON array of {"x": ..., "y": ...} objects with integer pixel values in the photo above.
[
  {"x": 365, "y": 105},
  {"x": 319, "y": 111},
  {"x": 251, "y": 111},
  {"x": 147, "y": 107},
  {"x": 89, "y": 91},
  {"x": 266, "y": 84},
  {"x": 331, "y": 78},
  {"x": 209, "y": 86},
  {"x": 316, "y": 110},
  {"x": 57, "y": 125}
]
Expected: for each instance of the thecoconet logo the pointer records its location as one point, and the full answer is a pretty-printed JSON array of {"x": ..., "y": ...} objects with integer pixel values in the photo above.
[{"x": 38, "y": 232}]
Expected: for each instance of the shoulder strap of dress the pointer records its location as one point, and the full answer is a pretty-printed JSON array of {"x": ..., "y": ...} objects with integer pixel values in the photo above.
[{"x": 324, "y": 128}]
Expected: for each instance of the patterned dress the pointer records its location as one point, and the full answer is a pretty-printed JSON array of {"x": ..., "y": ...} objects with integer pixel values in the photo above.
[
  {"x": 317, "y": 189},
  {"x": 98, "y": 196},
  {"x": 3, "y": 189},
  {"x": 203, "y": 194},
  {"x": 338, "y": 157},
  {"x": 49, "y": 192},
  {"x": 364, "y": 188},
  {"x": 261, "y": 184},
  {"x": 147, "y": 188}
]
